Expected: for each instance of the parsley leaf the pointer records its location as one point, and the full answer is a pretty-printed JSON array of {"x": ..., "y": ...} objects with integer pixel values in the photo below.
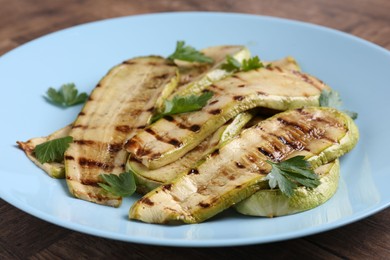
[
  {"x": 252, "y": 64},
  {"x": 119, "y": 185},
  {"x": 66, "y": 96},
  {"x": 183, "y": 104},
  {"x": 188, "y": 53},
  {"x": 232, "y": 64},
  {"x": 288, "y": 174},
  {"x": 331, "y": 98},
  {"x": 52, "y": 151}
]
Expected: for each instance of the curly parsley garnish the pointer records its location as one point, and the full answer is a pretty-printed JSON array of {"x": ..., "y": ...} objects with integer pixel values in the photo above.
[
  {"x": 188, "y": 53},
  {"x": 119, "y": 185},
  {"x": 67, "y": 95},
  {"x": 233, "y": 65},
  {"x": 331, "y": 98},
  {"x": 183, "y": 104},
  {"x": 288, "y": 174},
  {"x": 52, "y": 151}
]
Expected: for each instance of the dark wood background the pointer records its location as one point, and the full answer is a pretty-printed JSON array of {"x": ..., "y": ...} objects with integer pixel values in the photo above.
[{"x": 23, "y": 236}]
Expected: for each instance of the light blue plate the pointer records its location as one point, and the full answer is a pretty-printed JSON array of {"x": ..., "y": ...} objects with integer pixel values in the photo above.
[{"x": 359, "y": 70}]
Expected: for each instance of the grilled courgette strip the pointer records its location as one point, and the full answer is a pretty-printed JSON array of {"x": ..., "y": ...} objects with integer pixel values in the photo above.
[
  {"x": 238, "y": 169},
  {"x": 53, "y": 169},
  {"x": 121, "y": 103},
  {"x": 196, "y": 77},
  {"x": 169, "y": 138}
]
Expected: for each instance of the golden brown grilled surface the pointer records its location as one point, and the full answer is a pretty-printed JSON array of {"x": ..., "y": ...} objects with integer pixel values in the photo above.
[
  {"x": 171, "y": 137},
  {"x": 121, "y": 103}
]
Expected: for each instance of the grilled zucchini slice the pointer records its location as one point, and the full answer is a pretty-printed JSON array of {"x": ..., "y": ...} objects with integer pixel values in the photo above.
[
  {"x": 194, "y": 77},
  {"x": 238, "y": 169},
  {"x": 273, "y": 203},
  {"x": 121, "y": 103},
  {"x": 170, "y": 138},
  {"x": 53, "y": 169}
]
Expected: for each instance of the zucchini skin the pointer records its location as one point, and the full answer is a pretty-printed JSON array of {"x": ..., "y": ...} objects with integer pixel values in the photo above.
[
  {"x": 121, "y": 104},
  {"x": 238, "y": 169},
  {"x": 170, "y": 138}
]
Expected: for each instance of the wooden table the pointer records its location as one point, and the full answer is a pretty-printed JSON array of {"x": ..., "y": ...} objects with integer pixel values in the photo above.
[{"x": 23, "y": 236}]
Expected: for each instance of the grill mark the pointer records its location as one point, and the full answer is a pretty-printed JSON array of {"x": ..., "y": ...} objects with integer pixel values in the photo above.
[
  {"x": 263, "y": 171},
  {"x": 204, "y": 204},
  {"x": 147, "y": 201},
  {"x": 163, "y": 76},
  {"x": 193, "y": 171},
  {"x": 68, "y": 157},
  {"x": 292, "y": 124},
  {"x": 90, "y": 98},
  {"x": 141, "y": 127},
  {"x": 88, "y": 163},
  {"x": 123, "y": 128},
  {"x": 98, "y": 85},
  {"x": 236, "y": 77},
  {"x": 216, "y": 87},
  {"x": 114, "y": 148},
  {"x": 215, "y": 153},
  {"x": 238, "y": 98},
  {"x": 213, "y": 102},
  {"x": 195, "y": 128},
  {"x": 152, "y": 132},
  {"x": 80, "y": 126},
  {"x": 167, "y": 187},
  {"x": 278, "y": 68},
  {"x": 240, "y": 166},
  {"x": 131, "y": 144},
  {"x": 241, "y": 86},
  {"x": 251, "y": 158},
  {"x": 82, "y": 113},
  {"x": 169, "y": 118},
  {"x": 294, "y": 146},
  {"x": 175, "y": 142},
  {"x": 266, "y": 153},
  {"x": 182, "y": 126},
  {"x": 84, "y": 142},
  {"x": 215, "y": 111},
  {"x": 129, "y": 62},
  {"x": 261, "y": 93},
  {"x": 171, "y": 141},
  {"x": 89, "y": 182},
  {"x": 151, "y": 109},
  {"x": 306, "y": 79}
]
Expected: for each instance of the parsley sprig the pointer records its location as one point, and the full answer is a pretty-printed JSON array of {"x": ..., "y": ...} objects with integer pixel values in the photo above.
[
  {"x": 188, "y": 53},
  {"x": 233, "y": 65},
  {"x": 52, "y": 151},
  {"x": 67, "y": 95},
  {"x": 119, "y": 185},
  {"x": 331, "y": 98},
  {"x": 287, "y": 175},
  {"x": 183, "y": 104}
]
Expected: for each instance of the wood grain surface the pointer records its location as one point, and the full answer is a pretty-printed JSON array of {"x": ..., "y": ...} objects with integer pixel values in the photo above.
[{"x": 25, "y": 237}]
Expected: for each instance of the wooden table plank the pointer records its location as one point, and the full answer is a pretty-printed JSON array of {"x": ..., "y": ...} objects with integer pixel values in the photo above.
[{"x": 23, "y": 236}]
